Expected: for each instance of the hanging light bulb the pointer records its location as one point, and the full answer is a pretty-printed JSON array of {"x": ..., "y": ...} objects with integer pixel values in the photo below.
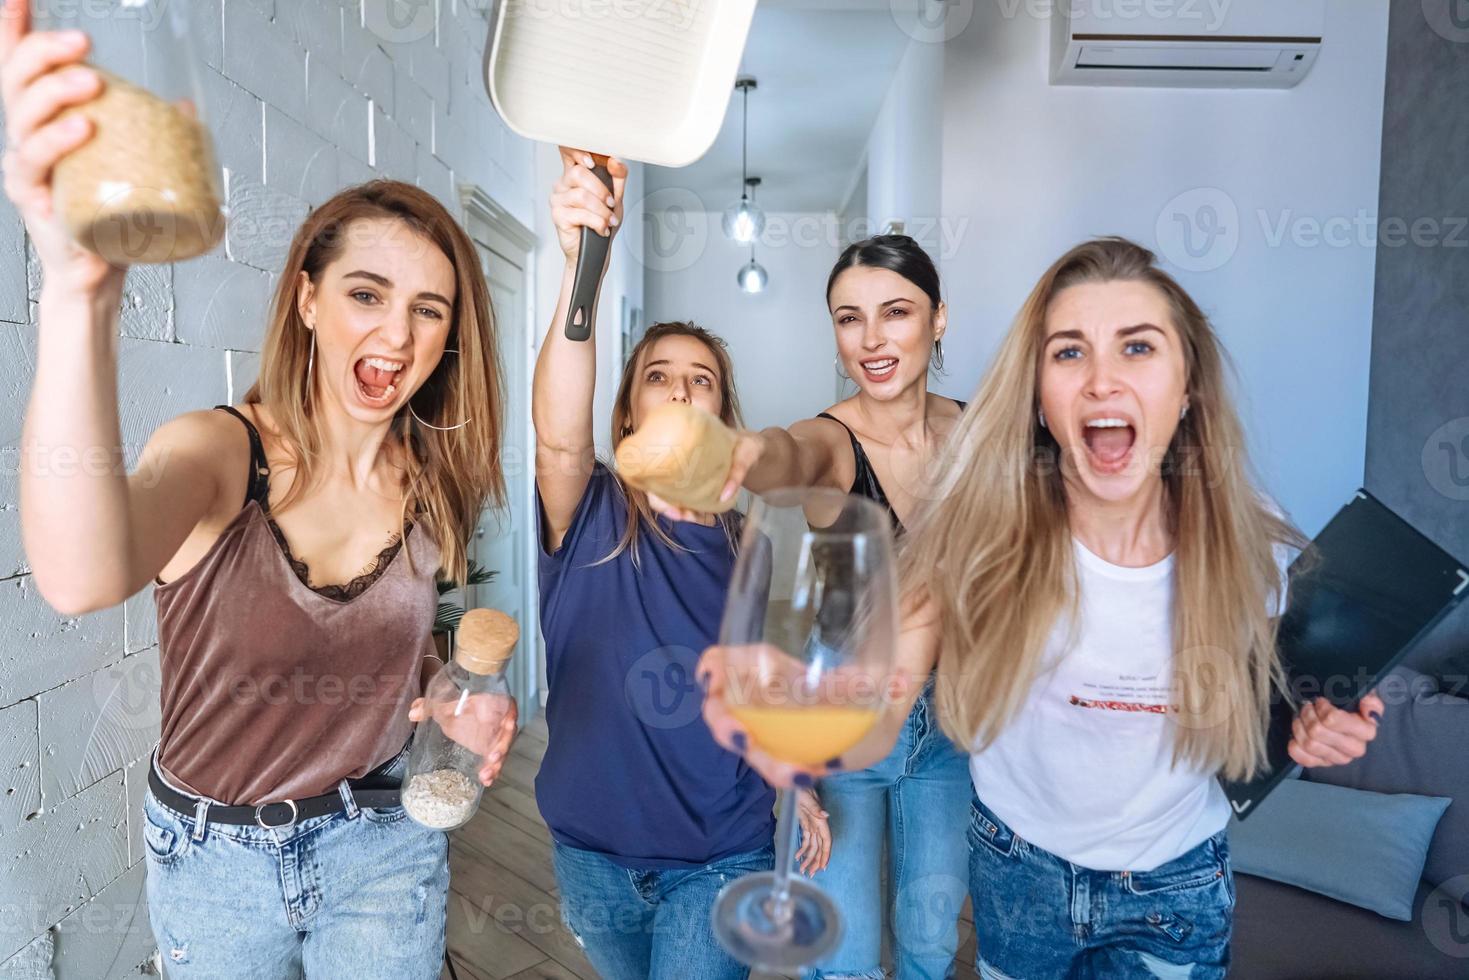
[
  {"x": 752, "y": 276},
  {"x": 744, "y": 221}
]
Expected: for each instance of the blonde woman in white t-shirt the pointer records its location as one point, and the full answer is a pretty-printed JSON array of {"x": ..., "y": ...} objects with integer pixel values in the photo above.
[{"x": 1099, "y": 581}]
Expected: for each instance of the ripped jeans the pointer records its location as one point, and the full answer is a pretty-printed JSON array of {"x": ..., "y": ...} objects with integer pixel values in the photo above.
[
  {"x": 1038, "y": 917},
  {"x": 360, "y": 894},
  {"x": 650, "y": 925}
]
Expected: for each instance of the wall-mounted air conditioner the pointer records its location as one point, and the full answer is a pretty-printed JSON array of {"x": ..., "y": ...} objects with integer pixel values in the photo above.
[{"x": 1185, "y": 43}]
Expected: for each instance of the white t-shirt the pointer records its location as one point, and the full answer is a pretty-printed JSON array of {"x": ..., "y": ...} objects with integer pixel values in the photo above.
[{"x": 1085, "y": 770}]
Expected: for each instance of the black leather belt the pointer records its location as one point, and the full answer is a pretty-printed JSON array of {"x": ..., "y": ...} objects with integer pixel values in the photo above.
[{"x": 373, "y": 791}]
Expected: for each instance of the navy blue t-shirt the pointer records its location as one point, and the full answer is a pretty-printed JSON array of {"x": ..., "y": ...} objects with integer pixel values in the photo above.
[{"x": 631, "y": 771}]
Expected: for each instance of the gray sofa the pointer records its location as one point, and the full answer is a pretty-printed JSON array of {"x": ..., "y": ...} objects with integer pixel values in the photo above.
[{"x": 1286, "y": 933}]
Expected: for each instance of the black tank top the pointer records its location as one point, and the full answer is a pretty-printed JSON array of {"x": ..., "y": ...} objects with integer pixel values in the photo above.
[{"x": 864, "y": 480}]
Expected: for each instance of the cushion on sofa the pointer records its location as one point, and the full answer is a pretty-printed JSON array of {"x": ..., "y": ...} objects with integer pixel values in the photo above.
[
  {"x": 1420, "y": 748},
  {"x": 1355, "y": 846}
]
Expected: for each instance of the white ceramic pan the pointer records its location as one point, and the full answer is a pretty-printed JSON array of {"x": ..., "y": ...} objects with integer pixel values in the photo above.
[{"x": 645, "y": 80}]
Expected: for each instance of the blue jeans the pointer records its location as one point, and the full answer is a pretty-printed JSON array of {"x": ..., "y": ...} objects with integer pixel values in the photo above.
[
  {"x": 1038, "y": 916},
  {"x": 917, "y": 799},
  {"x": 360, "y": 894},
  {"x": 650, "y": 925}
]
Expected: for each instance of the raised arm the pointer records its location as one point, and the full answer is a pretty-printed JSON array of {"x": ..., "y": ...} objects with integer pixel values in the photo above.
[
  {"x": 566, "y": 370},
  {"x": 93, "y": 534},
  {"x": 805, "y": 455}
]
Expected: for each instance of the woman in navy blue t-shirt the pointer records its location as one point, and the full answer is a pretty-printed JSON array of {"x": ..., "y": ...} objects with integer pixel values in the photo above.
[{"x": 649, "y": 815}]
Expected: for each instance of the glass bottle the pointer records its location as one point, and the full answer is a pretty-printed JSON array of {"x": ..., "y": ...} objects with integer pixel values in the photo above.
[
  {"x": 146, "y": 187},
  {"x": 466, "y": 703}
]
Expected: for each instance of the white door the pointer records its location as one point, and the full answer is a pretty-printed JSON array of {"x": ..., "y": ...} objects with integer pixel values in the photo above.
[{"x": 504, "y": 540}]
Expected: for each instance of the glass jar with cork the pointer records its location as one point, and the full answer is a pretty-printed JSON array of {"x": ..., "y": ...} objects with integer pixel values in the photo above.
[
  {"x": 465, "y": 706},
  {"x": 146, "y": 188}
]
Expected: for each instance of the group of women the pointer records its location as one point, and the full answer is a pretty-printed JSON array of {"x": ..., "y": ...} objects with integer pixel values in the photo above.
[{"x": 1087, "y": 636}]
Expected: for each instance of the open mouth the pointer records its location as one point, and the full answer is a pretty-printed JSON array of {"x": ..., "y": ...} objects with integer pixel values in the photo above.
[
  {"x": 1109, "y": 441},
  {"x": 377, "y": 380},
  {"x": 880, "y": 368}
]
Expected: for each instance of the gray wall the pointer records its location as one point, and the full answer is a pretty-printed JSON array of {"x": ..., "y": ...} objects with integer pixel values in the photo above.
[
  {"x": 79, "y": 697},
  {"x": 1418, "y": 412}
]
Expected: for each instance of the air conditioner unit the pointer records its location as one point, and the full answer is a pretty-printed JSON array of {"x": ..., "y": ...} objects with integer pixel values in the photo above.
[{"x": 1185, "y": 43}]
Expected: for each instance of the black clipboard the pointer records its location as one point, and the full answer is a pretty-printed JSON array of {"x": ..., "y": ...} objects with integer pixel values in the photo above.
[{"x": 1361, "y": 596}]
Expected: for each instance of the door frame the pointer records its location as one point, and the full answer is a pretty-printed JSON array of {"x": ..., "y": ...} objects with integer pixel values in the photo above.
[{"x": 482, "y": 210}]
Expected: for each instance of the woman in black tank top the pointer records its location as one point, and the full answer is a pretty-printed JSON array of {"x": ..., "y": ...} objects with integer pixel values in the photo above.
[{"x": 889, "y": 318}]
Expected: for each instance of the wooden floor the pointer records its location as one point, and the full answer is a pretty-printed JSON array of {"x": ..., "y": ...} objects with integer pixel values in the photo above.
[{"x": 503, "y": 916}]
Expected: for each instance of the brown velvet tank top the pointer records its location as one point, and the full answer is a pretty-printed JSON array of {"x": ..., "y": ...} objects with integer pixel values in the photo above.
[{"x": 275, "y": 690}]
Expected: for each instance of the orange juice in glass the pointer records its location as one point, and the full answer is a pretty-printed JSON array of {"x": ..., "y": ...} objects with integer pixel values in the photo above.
[{"x": 806, "y": 735}]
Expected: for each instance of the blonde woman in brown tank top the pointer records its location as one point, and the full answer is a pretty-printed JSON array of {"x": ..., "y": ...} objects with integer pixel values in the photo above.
[{"x": 294, "y": 541}]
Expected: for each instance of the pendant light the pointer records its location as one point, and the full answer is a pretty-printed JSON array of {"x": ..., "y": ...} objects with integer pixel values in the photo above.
[
  {"x": 752, "y": 276},
  {"x": 743, "y": 221}
]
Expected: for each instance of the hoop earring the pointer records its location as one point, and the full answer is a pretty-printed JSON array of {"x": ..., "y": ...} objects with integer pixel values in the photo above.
[
  {"x": 430, "y": 425},
  {"x": 836, "y": 363}
]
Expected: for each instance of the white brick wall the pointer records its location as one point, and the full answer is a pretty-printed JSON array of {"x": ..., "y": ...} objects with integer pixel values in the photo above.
[{"x": 304, "y": 97}]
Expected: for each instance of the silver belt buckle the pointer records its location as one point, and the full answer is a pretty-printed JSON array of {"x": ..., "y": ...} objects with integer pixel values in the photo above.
[{"x": 295, "y": 814}]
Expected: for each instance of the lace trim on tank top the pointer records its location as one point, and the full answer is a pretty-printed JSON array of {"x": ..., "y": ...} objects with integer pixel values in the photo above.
[
  {"x": 259, "y": 491},
  {"x": 352, "y": 589},
  {"x": 864, "y": 478}
]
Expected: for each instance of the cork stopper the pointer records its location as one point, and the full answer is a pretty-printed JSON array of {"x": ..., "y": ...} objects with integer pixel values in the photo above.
[{"x": 485, "y": 640}]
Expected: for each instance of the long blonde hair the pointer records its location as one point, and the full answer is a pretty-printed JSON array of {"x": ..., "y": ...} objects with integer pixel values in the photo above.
[
  {"x": 450, "y": 474},
  {"x": 993, "y": 550},
  {"x": 640, "y": 515}
]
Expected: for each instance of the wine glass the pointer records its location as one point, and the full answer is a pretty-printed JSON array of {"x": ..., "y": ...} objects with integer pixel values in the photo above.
[{"x": 809, "y": 630}]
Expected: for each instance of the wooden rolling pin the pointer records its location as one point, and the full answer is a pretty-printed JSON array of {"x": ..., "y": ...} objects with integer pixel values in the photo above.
[{"x": 683, "y": 455}]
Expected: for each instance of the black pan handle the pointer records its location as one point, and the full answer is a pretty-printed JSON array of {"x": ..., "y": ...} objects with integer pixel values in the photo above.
[{"x": 591, "y": 260}]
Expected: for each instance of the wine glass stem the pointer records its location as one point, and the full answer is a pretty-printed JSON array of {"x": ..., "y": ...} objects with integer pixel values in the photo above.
[{"x": 787, "y": 831}]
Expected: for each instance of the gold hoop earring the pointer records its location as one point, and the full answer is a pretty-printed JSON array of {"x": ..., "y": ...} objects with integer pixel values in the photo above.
[{"x": 430, "y": 425}]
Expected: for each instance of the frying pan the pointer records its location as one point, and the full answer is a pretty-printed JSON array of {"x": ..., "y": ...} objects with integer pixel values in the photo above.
[{"x": 645, "y": 80}]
